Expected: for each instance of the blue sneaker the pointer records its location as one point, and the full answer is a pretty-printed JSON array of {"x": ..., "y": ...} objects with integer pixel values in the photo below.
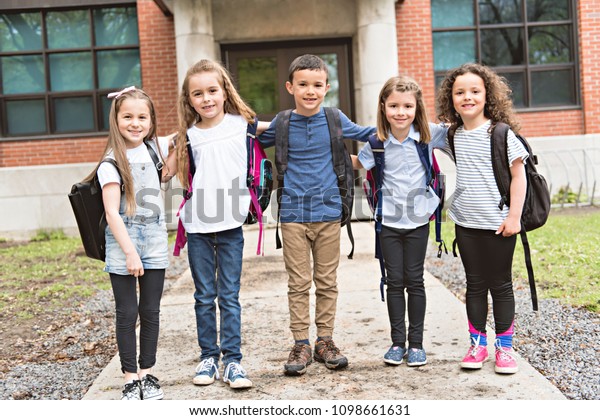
[
  {"x": 416, "y": 357},
  {"x": 235, "y": 376},
  {"x": 394, "y": 355},
  {"x": 206, "y": 372}
]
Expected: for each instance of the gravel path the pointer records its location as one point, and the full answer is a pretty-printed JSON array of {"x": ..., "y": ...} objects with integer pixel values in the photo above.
[{"x": 562, "y": 343}]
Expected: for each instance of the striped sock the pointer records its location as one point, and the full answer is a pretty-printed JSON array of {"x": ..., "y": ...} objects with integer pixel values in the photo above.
[
  {"x": 477, "y": 336},
  {"x": 506, "y": 338}
]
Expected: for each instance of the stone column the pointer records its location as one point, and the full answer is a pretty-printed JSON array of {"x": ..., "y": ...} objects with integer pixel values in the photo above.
[
  {"x": 194, "y": 37},
  {"x": 377, "y": 54}
]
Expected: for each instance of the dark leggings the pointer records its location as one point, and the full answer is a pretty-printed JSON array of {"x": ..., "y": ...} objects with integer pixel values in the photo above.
[
  {"x": 127, "y": 310},
  {"x": 487, "y": 259},
  {"x": 404, "y": 254}
]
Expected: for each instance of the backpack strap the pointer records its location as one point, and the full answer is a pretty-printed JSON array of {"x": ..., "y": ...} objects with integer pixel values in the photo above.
[
  {"x": 157, "y": 162},
  {"x": 435, "y": 180},
  {"x": 339, "y": 156},
  {"x": 282, "y": 133},
  {"x": 377, "y": 171},
  {"x": 499, "y": 150},
  {"x": 529, "y": 265},
  {"x": 181, "y": 238},
  {"x": 250, "y": 140}
]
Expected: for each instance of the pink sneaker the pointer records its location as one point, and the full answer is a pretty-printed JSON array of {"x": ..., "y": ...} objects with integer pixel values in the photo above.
[
  {"x": 505, "y": 360},
  {"x": 475, "y": 357}
]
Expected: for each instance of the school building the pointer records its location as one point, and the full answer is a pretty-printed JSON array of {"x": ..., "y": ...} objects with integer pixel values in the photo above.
[{"x": 60, "y": 58}]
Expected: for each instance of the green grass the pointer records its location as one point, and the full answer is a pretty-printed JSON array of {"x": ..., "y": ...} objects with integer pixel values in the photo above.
[
  {"x": 41, "y": 275},
  {"x": 564, "y": 253}
]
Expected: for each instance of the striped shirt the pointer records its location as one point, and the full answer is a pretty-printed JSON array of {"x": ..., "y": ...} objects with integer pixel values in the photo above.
[{"x": 475, "y": 200}]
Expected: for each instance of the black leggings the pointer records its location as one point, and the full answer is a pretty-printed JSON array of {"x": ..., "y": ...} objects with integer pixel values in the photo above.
[
  {"x": 487, "y": 259},
  {"x": 404, "y": 254},
  {"x": 127, "y": 310}
]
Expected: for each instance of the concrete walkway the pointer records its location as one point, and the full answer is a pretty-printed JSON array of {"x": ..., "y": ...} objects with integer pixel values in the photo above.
[{"x": 362, "y": 333}]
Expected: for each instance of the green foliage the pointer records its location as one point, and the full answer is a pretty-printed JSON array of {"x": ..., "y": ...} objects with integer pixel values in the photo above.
[
  {"x": 566, "y": 196},
  {"x": 564, "y": 255},
  {"x": 38, "y": 276}
]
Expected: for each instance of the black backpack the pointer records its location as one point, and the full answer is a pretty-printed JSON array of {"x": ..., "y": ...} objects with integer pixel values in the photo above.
[
  {"x": 342, "y": 165},
  {"x": 536, "y": 206},
  {"x": 88, "y": 207}
]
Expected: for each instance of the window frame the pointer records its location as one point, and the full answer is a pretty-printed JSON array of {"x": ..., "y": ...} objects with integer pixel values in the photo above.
[
  {"x": 95, "y": 93},
  {"x": 526, "y": 69}
]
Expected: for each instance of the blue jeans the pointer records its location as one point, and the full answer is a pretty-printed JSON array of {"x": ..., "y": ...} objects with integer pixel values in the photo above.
[{"x": 216, "y": 266}]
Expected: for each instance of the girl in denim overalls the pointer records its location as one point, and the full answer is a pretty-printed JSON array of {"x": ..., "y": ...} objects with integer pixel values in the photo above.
[
  {"x": 214, "y": 118},
  {"x": 136, "y": 236}
]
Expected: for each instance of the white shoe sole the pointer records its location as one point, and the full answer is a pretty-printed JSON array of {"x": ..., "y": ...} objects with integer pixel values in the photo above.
[
  {"x": 203, "y": 380},
  {"x": 239, "y": 383},
  {"x": 506, "y": 370},
  {"x": 473, "y": 365}
]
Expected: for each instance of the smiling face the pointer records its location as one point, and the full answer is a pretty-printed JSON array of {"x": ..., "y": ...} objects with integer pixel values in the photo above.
[
  {"x": 400, "y": 111},
  {"x": 468, "y": 98},
  {"x": 308, "y": 88},
  {"x": 134, "y": 121},
  {"x": 207, "y": 97}
]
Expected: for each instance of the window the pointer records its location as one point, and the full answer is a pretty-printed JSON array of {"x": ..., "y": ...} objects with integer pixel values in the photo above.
[
  {"x": 532, "y": 43},
  {"x": 56, "y": 67}
]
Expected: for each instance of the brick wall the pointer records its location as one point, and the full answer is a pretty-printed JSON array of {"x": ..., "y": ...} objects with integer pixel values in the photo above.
[
  {"x": 589, "y": 51},
  {"x": 159, "y": 63},
  {"x": 159, "y": 80},
  {"x": 415, "y": 58}
]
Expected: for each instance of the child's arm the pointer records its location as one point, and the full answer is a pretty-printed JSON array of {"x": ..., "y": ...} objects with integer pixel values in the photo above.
[
  {"x": 356, "y": 162},
  {"x": 351, "y": 130},
  {"x": 111, "y": 196},
  {"x": 170, "y": 168},
  {"x": 262, "y": 126},
  {"x": 518, "y": 186}
]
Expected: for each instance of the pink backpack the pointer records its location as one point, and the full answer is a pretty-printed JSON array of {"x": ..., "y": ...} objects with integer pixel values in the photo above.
[{"x": 259, "y": 181}]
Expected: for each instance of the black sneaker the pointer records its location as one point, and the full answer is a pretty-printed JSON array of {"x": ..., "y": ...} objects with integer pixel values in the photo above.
[
  {"x": 151, "y": 389},
  {"x": 132, "y": 391},
  {"x": 327, "y": 352},
  {"x": 300, "y": 357}
]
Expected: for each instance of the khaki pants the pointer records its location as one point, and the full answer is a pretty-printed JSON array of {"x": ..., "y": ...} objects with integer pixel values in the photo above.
[{"x": 322, "y": 239}]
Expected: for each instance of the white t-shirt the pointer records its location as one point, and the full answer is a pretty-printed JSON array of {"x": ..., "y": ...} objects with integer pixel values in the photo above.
[
  {"x": 151, "y": 200},
  {"x": 476, "y": 198},
  {"x": 220, "y": 198}
]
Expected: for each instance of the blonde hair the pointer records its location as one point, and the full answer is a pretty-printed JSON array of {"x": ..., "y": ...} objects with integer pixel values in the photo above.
[
  {"x": 117, "y": 144},
  {"x": 498, "y": 103},
  {"x": 402, "y": 84},
  {"x": 188, "y": 116}
]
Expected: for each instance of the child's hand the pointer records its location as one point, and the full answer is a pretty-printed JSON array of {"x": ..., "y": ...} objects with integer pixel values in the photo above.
[
  {"x": 134, "y": 264},
  {"x": 510, "y": 226}
]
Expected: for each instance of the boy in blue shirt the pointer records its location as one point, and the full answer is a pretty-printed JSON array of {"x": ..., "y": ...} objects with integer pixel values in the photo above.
[{"x": 310, "y": 214}]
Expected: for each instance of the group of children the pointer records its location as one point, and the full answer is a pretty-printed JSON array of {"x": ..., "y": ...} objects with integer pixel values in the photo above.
[{"x": 213, "y": 119}]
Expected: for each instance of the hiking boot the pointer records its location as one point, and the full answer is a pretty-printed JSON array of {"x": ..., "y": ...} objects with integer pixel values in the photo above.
[
  {"x": 132, "y": 391},
  {"x": 475, "y": 356},
  {"x": 300, "y": 357},
  {"x": 416, "y": 357},
  {"x": 327, "y": 352},
  {"x": 235, "y": 376},
  {"x": 394, "y": 355},
  {"x": 505, "y": 360},
  {"x": 206, "y": 372},
  {"x": 151, "y": 389}
]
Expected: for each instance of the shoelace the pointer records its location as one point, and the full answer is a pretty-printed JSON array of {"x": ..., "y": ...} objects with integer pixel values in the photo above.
[
  {"x": 235, "y": 369},
  {"x": 475, "y": 346},
  {"x": 297, "y": 351},
  {"x": 131, "y": 388},
  {"x": 331, "y": 348},
  {"x": 152, "y": 381},
  {"x": 205, "y": 366},
  {"x": 504, "y": 355}
]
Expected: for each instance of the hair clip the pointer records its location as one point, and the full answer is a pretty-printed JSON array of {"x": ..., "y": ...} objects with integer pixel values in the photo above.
[{"x": 119, "y": 93}]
